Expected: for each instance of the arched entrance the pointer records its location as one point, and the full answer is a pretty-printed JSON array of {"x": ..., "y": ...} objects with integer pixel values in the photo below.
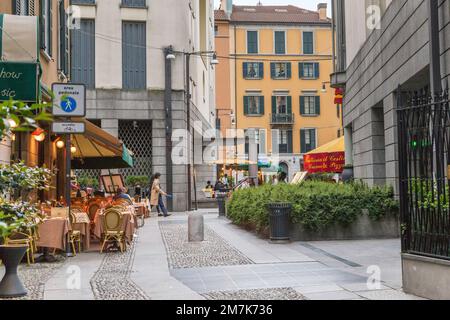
[{"x": 284, "y": 168}]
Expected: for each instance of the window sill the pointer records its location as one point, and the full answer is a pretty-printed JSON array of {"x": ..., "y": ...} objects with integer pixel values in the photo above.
[
  {"x": 254, "y": 115},
  {"x": 302, "y": 78},
  {"x": 281, "y": 78},
  {"x": 253, "y": 78},
  {"x": 133, "y": 7},
  {"x": 310, "y": 115},
  {"x": 85, "y": 4}
]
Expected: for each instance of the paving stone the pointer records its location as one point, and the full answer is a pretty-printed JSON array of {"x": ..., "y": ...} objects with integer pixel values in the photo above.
[
  {"x": 388, "y": 295},
  {"x": 112, "y": 279},
  {"x": 256, "y": 294},
  {"x": 35, "y": 276},
  {"x": 214, "y": 251},
  {"x": 333, "y": 295}
]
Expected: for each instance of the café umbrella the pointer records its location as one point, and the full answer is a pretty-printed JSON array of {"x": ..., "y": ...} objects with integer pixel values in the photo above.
[{"x": 329, "y": 158}]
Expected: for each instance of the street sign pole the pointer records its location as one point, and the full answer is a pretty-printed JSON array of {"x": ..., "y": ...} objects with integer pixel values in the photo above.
[{"x": 68, "y": 187}]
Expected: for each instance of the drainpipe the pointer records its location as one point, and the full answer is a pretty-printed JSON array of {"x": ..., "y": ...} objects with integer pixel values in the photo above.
[{"x": 168, "y": 112}]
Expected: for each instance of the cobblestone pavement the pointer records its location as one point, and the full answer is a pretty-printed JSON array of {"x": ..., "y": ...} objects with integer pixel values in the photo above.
[
  {"x": 256, "y": 294},
  {"x": 35, "y": 276},
  {"x": 214, "y": 251},
  {"x": 112, "y": 279}
]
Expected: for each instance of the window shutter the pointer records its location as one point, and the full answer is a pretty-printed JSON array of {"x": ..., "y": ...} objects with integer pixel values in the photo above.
[
  {"x": 31, "y": 7},
  {"x": 16, "y": 7},
  {"x": 317, "y": 70},
  {"x": 313, "y": 138},
  {"x": 262, "y": 141},
  {"x": 301, "y": 73},
  {"x": 289, "y": 71},
  {"x": 302, "y": 105},
  {"x": 274, "y": 105},
  {"x": 245, "y": 69},
  {"x": 42, "y": 24},
  {"x": 289, "y": 105},
  {"x": 261, "y": 70},
  {"x": 272, "y": 70},
  {"x": 302, "y": 141},
  {"x": 245, "y": 105},
  {"x": 62, "y": 36},
  {"x": 289, "y": 141},
  {"x": 67, "y": 47},
  {"x": 261, "y": 105},
  {"x": 50, "y": 28},
  {"x": 317, "y": 105}
]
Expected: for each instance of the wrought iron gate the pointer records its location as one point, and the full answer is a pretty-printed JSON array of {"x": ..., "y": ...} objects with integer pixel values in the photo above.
[
  {"x": 137, "y": 136},
  {"x": 424, "y": 169}
]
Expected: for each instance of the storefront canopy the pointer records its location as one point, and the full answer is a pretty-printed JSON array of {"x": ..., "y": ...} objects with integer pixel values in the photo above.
[
  {"x": 97, "y": 149},
  {"x": 329, "y": 158}
]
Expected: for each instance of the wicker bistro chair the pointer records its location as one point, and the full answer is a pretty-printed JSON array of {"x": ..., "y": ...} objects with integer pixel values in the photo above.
[
  {"x": 74, "y": 236},
  {"x": 113, "y": 232},
  {"x": 22, "y": 238},
  {"x": 93, "y": 207}
]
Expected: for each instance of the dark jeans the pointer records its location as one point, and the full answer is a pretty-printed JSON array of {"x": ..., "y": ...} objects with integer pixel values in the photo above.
[{"x": 161, "y": 207}]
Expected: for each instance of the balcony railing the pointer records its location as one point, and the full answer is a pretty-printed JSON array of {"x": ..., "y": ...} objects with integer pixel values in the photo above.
[{"x": 282, "y": 118}]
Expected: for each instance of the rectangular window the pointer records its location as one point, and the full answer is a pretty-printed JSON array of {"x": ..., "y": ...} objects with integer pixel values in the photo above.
[
  {"x": 134, "y": 57},
  {"x": 280, "y": 42},
  {"x": 308, "y": 140},
  {"x": 309, "y": 70},
  {"x": 253, "y": 70},
  {"x": 285, "y": 141},
  {"x": 82, "y": 2},
  {"x": 133, "y": 3},
  {"x": 252, "y": 42},
  {"x": 63, "y": 40},
  {"x": 310, "y": 105},
  {"x": 82, "y": 66},
  {"x": 280, "y": 70},
  {"x": 254, "y": 105},
  {"x": 216, "y": 30},
  {"x": 308, "y": 42},
  {"x": 46, "y": 14}
]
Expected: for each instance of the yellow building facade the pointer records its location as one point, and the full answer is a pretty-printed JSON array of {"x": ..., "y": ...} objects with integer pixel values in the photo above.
[{"x": 282, "y": 59}]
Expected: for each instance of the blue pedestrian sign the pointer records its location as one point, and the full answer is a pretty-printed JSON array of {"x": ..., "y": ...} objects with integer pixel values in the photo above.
[{"x": 69, "y": 100}]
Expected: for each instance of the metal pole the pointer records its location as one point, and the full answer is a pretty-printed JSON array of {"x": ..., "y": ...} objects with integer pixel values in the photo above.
[
  {"x": 168, "y": 111},
  {"x": 68, "y": 187},
  {"x": 188, "y": 128}
]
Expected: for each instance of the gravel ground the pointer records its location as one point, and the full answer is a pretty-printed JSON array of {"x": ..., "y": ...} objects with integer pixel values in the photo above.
[
  {"x": 112, "y": 279},
  {"x": 256, "y": 294},
  {"x": 35, "y": 276},
  {"x": 214, "y": 251}
]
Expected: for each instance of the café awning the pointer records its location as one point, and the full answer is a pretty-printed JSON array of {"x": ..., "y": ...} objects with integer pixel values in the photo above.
[
  {"x": 97, "y": 149},
  {"x": 329, "y": 158}
]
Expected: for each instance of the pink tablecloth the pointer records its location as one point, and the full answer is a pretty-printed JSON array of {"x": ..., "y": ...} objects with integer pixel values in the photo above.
[
  {"x": 52, "y": 233},
  {"x": 128, "y": 224}
]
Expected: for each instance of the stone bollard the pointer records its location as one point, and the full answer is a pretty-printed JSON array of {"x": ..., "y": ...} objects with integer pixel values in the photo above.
[{"x": 196, "y": 231}]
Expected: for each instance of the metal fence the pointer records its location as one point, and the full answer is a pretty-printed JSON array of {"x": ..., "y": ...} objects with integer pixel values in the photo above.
[{"x": 424, "y": 169}]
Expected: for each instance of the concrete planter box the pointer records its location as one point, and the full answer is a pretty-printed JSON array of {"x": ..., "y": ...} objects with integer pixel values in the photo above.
[{"x": 363, "y": 228}]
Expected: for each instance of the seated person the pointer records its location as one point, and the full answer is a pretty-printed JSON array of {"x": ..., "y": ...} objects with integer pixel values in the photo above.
[{"x": 122, "y": 194}]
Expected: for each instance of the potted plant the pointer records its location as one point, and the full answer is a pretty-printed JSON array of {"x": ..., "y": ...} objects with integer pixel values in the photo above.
[{"x": 17, "y": 215}]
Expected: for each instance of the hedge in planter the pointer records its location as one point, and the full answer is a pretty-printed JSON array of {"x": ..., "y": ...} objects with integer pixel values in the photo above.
[{"x": 316, "y": 205}]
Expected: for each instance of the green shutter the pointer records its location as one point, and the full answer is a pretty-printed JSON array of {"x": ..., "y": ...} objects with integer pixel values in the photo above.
[
  {"x": 280, "y": 42},
  {"x": 317, "y": 70},
  {"x": 289, "y": 141},
  {"x": 42, "y": 24},
  {"x": 317, "y": 105},
  {"x": 272, "y": 70},
  {"x": 261, "y": 105},
  {"x": 244, "y": 69},
  {"x": 245, "y": 105},
  {"x": 301, "y": 74},
  {"x": 289, "y": 105},
  {"x": 302, "y": 105},
  {"x": 261, "y": 70},
  {"x": 274, "y": 105},
  {"x": 288, "y": 70},
  {"x": 1, "y": 35},
  {"x": 50, "y": 26},
  {"x": 302, "y": 141},
  {"x": 313, "y": 138}
]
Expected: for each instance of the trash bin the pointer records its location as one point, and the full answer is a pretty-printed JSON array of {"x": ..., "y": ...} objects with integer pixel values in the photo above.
[
  {"x": 279, "y": 216},
  {"x": 221, "y": 197}
]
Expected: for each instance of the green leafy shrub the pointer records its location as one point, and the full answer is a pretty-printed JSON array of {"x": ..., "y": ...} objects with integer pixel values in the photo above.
[
  {"x": 316, "y": 205},
  {"x": 85, "y": 182},
  {"x": 133, "y": 181}
]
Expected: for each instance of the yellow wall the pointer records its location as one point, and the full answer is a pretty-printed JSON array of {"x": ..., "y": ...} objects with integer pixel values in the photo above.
[{"x": 327, "y": 123}]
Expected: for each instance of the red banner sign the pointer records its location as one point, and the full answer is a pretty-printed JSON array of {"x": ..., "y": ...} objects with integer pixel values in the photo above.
[{"x": 325, "y": 162}]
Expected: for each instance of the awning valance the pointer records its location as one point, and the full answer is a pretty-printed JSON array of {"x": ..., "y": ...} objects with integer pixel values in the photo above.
[
  {"x": 329, "y": 158},
  {"x": 97, "y": 149}
]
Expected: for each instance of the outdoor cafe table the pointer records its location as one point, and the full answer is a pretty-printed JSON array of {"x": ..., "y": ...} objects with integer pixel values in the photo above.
[
  {"x": 52, "y": 233},
  {"x": 128, "y": 224},
  {"x": 82, "y": 224}
]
